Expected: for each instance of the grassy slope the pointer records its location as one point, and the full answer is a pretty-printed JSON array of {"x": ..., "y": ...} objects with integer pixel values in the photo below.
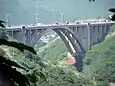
[
  {"x": 101, "y": 60},
  {"x": 53, "y": 51},
  {"x": 102, "y": 51}
]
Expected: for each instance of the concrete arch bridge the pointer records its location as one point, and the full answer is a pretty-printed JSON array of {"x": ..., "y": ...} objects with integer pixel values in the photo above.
[{"x": 78, "y": 37}]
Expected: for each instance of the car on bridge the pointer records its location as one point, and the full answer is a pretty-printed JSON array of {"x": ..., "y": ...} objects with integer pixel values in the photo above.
[
  {"x": 57, "y": 23},
  {"x": 77, "y": 22},
  {"x": 39, "y": 24}
]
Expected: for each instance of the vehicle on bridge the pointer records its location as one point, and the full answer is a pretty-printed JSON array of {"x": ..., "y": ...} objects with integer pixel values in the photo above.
[{"x": 39, "y": 24}]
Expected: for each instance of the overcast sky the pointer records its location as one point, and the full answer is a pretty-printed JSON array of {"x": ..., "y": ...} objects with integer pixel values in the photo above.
[{"x": 23, "y": 11}]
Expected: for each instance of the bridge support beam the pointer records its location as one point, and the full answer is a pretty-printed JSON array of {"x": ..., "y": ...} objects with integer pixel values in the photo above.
[
  {"x": 62, "y": 36},
  {"x": 89, "y": 42},
  {"x": 32, "y": 36},
  {"x": 20, "y": 36},
  {"x": 37, "y": 34}
]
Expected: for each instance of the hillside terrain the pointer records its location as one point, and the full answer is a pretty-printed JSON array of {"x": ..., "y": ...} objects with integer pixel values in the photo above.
[
  {"x": 53, "y": 51},
  {"x": 99, "y": 62}
]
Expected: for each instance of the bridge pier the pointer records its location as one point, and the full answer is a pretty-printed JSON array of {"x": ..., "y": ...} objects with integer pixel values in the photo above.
[
  {"x": 88, "y": 37},
  {"x": 20, "y": 36}
]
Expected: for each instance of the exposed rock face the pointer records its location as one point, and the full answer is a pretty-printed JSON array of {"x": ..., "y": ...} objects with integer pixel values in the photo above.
[{"x": 70, "y": 60}]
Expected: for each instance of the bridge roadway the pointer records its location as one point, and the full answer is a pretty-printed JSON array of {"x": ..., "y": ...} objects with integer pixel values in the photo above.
[
  {"x": 78, "y": 36},
  {"x": 42, "y": 26}
]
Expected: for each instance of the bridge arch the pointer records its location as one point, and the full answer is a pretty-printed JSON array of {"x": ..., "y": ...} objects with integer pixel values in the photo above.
[
  {"x": 64, "y": 33},
  {"x": 33, "y": 34},
  {"x": 69, "y": 38}
]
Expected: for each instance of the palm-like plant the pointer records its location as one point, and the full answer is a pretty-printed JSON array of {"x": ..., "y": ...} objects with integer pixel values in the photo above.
[
  {"x": 110, "y": 10},
  {"x": 113, "y": 11},
  {"x": 9, "y": 76}
]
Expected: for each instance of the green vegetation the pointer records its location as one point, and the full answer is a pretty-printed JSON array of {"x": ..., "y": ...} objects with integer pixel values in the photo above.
[
  {"x": 55, "y": 74},
  {"x": 58, "y": 75},
  {"x": 53, "y": 52},
  {"x": 99, "y": 61},
  {"x": 10, "y": 76},
  {"x": 23, "y": 69},
  {"x": 98, "y": 64}
]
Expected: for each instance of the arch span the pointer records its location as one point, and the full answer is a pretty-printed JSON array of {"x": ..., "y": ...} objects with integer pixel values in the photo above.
[
  {"x": 79, "y": 51},
  {"x": 31, "y": 36},
  {"x": 68, "y": 38}
]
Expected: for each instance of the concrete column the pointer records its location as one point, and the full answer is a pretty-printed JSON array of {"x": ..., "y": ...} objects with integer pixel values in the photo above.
[
  {"x": 85, "y": 39},
  {"x": 100, "y": 33},
  {"x": 34, "y": 38},
  {"x": 28, "y": 36},
  {"x": 33, "y": 35},
  {"x": 20, "y": 35},
  {"x": 12, "y": 33},
  {"x": 37, "y": 34},
  {"x": 108, "y": 28},
  {"x": 77, "y": 32},
  {"x": 103, "y": 32},
  {"x": 96, "y": 34},
  {"x": 89, "y": 45},
  {"x": 91, "y": 35}
]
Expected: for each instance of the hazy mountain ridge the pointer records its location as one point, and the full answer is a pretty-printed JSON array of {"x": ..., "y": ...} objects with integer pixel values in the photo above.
[{"x": 23, "y": 11}]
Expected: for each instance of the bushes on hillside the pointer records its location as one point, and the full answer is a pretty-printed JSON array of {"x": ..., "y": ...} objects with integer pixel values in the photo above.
[{"x": 100, "y": 61}]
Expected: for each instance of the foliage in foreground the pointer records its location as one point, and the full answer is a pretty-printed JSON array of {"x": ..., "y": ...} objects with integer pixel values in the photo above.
[
  {"x": 58, "y": 75},
  {"x": 55, "y": 75},
  {"x": 9, "y": 75},
  {"x": 28, "y": 71}
]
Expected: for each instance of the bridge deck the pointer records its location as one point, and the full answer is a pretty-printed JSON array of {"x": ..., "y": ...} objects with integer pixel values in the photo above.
[{"x": 17, "y": 28}]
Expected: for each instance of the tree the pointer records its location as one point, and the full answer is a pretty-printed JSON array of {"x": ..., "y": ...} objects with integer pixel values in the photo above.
[{"x": 9, "y": 76}]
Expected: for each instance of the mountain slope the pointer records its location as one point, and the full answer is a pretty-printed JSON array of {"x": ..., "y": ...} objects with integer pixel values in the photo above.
[
  {"x": 99, "y": 63},
  {"x": 53, "y": 51}
]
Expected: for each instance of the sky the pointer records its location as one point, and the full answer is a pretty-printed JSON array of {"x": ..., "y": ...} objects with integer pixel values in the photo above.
[{"x": 50, "y": 11}]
